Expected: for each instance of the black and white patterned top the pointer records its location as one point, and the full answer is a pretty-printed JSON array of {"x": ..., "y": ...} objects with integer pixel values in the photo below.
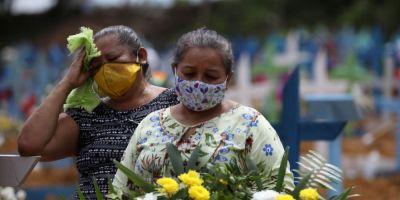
[{"x": 104, "y": 136}]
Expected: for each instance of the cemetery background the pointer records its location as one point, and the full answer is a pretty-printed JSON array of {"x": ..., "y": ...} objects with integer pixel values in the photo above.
[{"x": 357, "y": 58}]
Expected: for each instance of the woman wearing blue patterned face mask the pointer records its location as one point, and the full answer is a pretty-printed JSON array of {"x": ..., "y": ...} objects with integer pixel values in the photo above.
[
  {"x": 197, "y": 95},
  {"x": 224, "y": 129}
]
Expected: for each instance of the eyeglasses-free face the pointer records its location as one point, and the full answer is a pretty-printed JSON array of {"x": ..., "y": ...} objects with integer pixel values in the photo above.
[{"x": 202, "y": 64}]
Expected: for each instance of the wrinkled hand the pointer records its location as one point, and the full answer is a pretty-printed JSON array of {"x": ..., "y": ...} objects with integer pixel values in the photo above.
[{"x": 76, "y": 76}]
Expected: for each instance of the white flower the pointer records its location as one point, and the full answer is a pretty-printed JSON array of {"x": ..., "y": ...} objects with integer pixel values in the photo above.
[
  {"x": 148, "y": 196},
  {"x": 21, "y": 195},
  {"x": 265, "y": 195},
  {"x": 7, "y": 193}
]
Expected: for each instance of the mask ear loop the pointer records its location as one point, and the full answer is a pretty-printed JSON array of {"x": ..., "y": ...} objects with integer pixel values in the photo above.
[
  {"x": 137, "y": 56},
  {"x": 226, "y": 81},
  {"x": 175, "y": 71},
  {"x": 175, "y": 76}
]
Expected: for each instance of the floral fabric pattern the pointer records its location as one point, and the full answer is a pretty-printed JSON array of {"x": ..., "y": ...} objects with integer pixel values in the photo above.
[
  {"x": 230, "y": 136},
  {"x": 197, "y": 95},
  {"x": 268, "y": 149}
]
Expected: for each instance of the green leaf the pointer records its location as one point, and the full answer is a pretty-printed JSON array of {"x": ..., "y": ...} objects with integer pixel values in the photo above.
[
  {"x": 305, "y": 166},
  {"x": 111, "y": 188},
  {"x": 136, "y": 179},
  {"x": 309, "y": 162},
  {"x": 99, "y": 195},
  {"x": 181, "y": 194},
  {"x": 282, "y": 171},
  {"x": 132, "y": 194},
  {"x": 80, "y": 194},
  {"x": 316, "y": 157},
  {"x": 253, "y": 167},
  {"x": 323, "y": 173},
  {"x": 323, "y": 183},
  {"x": 333, "y": 167},
  {"x": 175, "y": 158},
  {"x": 112, "y": 192},
  {"x": 301, "y": 185},
  {"x": 193, "y": 159}
]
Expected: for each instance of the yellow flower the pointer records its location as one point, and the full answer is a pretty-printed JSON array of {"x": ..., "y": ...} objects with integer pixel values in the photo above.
[
  {"x": 169, "y": 185},
  {"x": 284, "y": 197},
  {"x": 198, "y": 192},
  {"x": 191, "y": 178},
  {"x": 309, "y": 194}
]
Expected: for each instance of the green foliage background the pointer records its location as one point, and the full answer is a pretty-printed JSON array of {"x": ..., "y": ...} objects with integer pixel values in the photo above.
[{"x": 231, "y": 17}]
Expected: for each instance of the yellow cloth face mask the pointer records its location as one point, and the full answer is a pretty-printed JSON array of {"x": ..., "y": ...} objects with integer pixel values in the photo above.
[{"x": 115, "y": 79}]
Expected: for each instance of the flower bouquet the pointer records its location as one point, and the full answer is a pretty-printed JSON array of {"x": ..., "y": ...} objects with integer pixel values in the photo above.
[
  {"x": 230, "y": 181},
  {"x": 9, "y": 193}
]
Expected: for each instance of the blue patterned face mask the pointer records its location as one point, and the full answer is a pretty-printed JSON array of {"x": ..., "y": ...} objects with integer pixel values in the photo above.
[{"x": 197, "y": 95}]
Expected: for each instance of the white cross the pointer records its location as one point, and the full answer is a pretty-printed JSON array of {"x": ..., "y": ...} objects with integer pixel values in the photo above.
[
  {"x": 292, "y": 56},
  {"x": 244, "y": 91},
  {"x": 322, "y": 84}
]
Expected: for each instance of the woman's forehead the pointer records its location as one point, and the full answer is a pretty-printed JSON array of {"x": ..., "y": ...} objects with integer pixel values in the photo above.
[
  {"x": 110, "y": 38},
  {"x": 200, "y": 55},
  {"x": 109, "y": 43}
]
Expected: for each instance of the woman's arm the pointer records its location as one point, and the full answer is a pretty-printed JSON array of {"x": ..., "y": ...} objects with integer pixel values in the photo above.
[
  {"x": 49, "y": 132},
  {"x": 268, "y": 148}
]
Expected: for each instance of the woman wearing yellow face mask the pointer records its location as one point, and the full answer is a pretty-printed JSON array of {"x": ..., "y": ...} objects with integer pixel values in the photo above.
[{"x": 99, "y": 137}]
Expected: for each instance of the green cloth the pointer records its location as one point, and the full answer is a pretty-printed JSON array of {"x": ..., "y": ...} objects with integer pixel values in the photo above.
[{"x": 84, "y": 96}]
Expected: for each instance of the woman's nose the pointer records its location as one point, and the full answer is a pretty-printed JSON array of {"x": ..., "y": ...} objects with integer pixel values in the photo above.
[
  {"x": 102, "y": 60},
  {"x": 98, "y": 61},
  {"x": 200, "y": 77}
]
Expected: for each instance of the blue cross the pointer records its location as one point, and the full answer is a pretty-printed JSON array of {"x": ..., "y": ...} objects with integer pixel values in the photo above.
[{"x": 292, "y": 130}]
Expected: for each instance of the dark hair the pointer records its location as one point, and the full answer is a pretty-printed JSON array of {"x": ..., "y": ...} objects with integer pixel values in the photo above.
[
  {"x": 126, "y": 36},
  {"x": 205, "y": 38}
]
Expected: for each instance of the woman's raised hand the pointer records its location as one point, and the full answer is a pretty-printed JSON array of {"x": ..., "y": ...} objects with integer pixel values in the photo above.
[{"x": 76, "y": 76}]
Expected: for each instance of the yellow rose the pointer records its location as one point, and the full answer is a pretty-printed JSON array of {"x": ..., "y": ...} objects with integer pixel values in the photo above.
[
  {"x": 284, "y": 197},
  {"x": 198, "y": 192},
  {"x": 169, "y": 185},
  {"x": 191, "y": 178},
  {"x": 309, "y": 194}
]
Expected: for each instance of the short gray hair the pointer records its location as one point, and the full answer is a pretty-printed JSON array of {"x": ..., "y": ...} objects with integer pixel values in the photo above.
[
  {"x": 126, "y": 36},
  {"x": 205, "y": 38}
]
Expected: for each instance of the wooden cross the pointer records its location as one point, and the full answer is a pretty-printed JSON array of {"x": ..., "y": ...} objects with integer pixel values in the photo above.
[
  {"x": 321, "y": 83},
  {"x": 244, "y": 91},
  {"x": 389, "y": 104},
  {"x": 292, "y": 130},
  {"x": 292, "y": 55}
]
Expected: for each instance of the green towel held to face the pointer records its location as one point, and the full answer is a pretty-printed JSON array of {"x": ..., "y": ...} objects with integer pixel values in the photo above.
[{"x": 84, "y": 96}]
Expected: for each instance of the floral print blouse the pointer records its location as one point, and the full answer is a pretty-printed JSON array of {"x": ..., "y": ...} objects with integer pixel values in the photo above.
[{"x": 231, "y": 135}]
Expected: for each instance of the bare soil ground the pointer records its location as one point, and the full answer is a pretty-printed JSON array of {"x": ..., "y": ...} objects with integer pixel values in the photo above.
[{"x": 386, "y": 184}]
